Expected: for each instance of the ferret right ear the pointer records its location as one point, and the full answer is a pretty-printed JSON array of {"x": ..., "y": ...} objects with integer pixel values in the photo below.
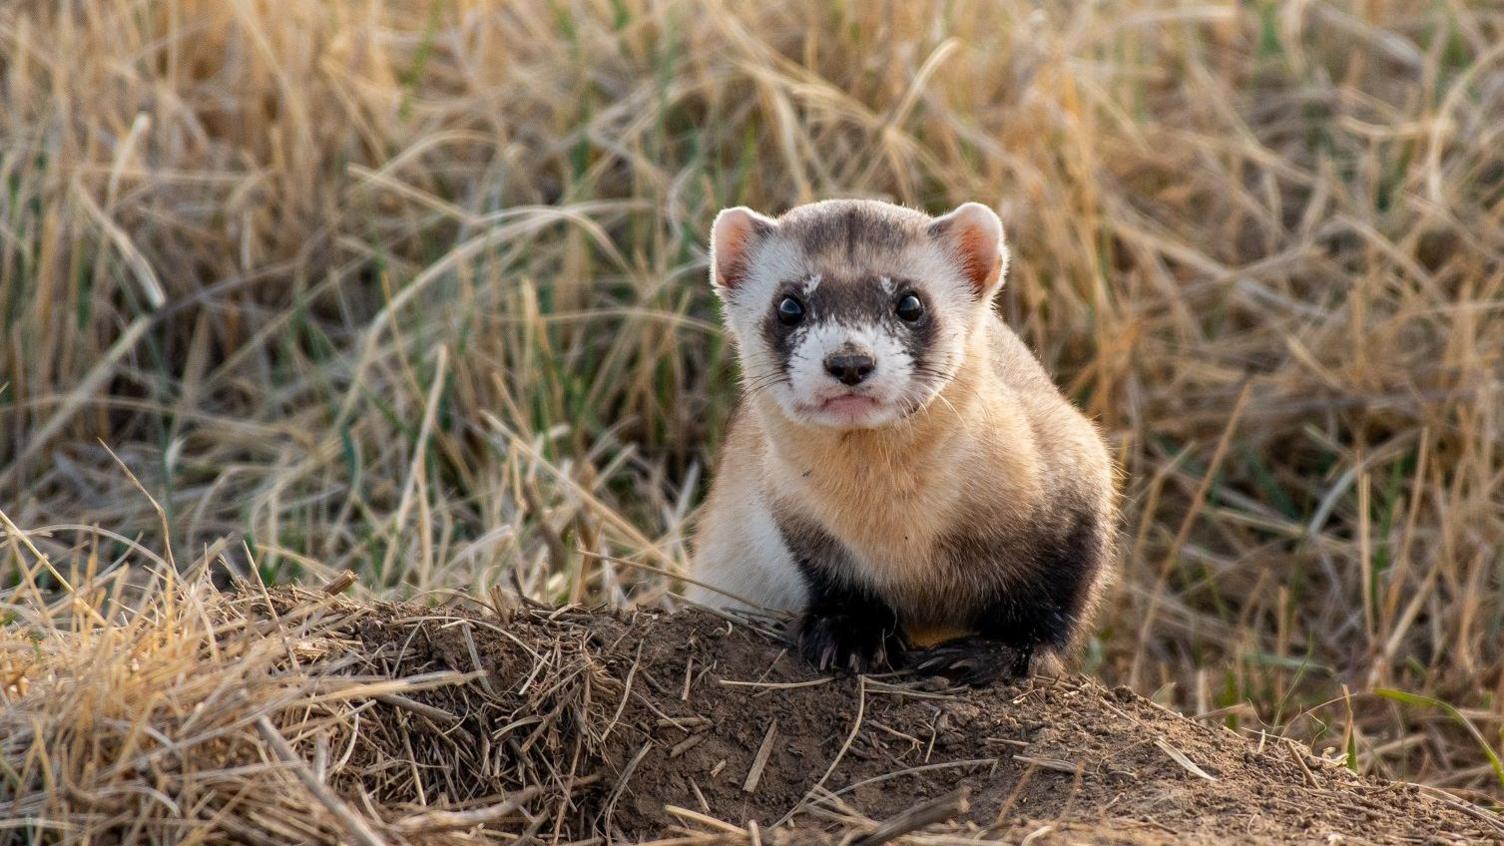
[
  {"x": 732, "y": 236},
  {"x": 973, "y": 235}
]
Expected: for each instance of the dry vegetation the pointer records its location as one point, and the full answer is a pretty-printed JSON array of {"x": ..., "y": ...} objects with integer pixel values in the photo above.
[
  {"x": 294, "y": 716},
  {"x": 417, "y": 290}
]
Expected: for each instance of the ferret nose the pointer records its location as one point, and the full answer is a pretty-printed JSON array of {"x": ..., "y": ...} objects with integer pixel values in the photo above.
[{"x": 850, "y": 368}]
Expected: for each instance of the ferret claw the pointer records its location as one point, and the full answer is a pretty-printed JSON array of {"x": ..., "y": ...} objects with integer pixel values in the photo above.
[
  {"x": 973, "y": 662},
  {"x": 847, "y": 643}
]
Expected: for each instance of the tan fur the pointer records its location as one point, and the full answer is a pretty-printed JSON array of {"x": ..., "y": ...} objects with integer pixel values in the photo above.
[
  {"x": 943, "y": 507},
  {"x": 996, "y": 439}
]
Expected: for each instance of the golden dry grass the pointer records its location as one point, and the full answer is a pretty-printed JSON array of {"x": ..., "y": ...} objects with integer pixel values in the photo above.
[
  {"x": 189, "y": 714},
  {"x": 418, "y": 290}
]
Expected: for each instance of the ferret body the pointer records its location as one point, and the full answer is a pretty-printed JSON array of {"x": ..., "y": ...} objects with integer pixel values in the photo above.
[{"x": 901, "y": 469}]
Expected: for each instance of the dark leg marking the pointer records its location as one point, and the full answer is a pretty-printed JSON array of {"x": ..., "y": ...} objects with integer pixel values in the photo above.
[
  {"x": 1039, "y": 611},
  {"x": 850, "y": 630},
  {"x": 846, "y": 626},
  {"x": 974, "y": 661}
]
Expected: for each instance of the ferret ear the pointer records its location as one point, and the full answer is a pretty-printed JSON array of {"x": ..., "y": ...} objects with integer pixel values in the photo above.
[
  {"x": 732, "y": 236},
  {"x": 973, "y": 235}
]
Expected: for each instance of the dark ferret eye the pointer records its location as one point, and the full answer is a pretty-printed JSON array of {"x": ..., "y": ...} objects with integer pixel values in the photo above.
[
  {"x": 790, "y": 311},
  {"x": 909, "y": 308}
]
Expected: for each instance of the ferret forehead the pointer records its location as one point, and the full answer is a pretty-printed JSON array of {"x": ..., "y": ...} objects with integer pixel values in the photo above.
[
  {"x": 918, "y": 265},
  {"x": 843, "y": 242},
  {"x": 851, "y": 300},
  {"x": 781, "y": 261},
  {"x": 853, "y": 231}
]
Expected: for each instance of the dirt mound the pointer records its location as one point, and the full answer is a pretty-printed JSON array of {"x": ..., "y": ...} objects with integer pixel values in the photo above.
[
  {"x": 720, "y": 721},
  {"x": 300, "y": 717}
]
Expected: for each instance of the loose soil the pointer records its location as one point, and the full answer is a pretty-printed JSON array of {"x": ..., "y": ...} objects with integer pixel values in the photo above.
[{"x": 638, "y": 726}]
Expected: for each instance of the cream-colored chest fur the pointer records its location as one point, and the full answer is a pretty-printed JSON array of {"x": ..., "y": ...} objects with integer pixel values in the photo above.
[
  {"x": 892, "y": 497},
  {"x": 886, "y": 504}
]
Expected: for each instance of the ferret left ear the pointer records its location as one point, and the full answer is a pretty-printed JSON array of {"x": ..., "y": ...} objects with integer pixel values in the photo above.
[
  {"x": 973, "y": 235},
  {"x": 732, "y": 237}
]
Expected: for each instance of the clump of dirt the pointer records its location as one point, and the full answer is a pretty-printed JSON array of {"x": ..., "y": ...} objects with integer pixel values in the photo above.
[
  {"x": 644, "y": 723},
  {"x": 296, "y": 716}
]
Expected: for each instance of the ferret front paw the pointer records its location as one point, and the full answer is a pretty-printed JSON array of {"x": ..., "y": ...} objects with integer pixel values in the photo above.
[
  {"x": 856, "y": 643},
  {"x": 973, "y": 661}
]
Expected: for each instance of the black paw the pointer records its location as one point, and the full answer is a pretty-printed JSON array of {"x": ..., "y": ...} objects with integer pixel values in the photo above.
[
  {"x": 972, "y": 661},
  {"x": 857, "y": 643}
]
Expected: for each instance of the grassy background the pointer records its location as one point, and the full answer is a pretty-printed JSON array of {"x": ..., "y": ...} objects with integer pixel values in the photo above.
[{"x": 419, "y": 290}]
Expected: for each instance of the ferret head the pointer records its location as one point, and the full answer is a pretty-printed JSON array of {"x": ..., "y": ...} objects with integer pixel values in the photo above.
[{"x": 855, "y": 313}]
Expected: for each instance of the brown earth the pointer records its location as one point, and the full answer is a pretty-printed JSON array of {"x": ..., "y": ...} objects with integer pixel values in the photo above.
[
  {"x": 628, "y": 719},
  {"x": 295, "y": 716}
]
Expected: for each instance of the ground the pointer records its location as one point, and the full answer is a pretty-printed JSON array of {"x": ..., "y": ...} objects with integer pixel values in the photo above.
[
  {"x": 255, "y": 716},
  {"x": 1065, "y": 759}
]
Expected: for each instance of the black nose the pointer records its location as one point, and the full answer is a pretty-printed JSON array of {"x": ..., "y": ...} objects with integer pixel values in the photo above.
[{"x": 850, "y": 368}]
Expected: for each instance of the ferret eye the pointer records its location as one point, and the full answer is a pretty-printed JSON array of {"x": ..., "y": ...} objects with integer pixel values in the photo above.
[
  {"x": 790, "y": 311},
  {"x": 909, "y": 308}
]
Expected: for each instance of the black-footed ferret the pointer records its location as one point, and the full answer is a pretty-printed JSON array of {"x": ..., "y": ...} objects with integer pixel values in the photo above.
[{"x": 901, "y": 470}]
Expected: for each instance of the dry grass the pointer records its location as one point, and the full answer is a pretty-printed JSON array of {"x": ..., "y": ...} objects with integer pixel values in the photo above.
[
  {"x": 261, "y": 718},
  {"x": 418, "y": 290},
  {"x": 187, "y": 714}
]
